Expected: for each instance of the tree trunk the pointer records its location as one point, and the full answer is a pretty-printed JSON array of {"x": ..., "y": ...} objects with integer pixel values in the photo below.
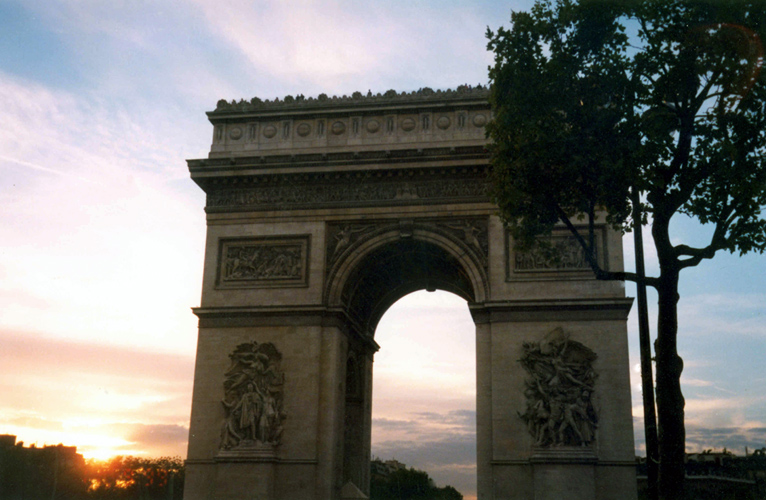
[
  {"x": 647, "y": 379},
  {"x": 670, "y": 401}
]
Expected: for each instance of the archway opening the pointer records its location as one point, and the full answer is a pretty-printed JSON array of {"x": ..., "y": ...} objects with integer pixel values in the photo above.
[
  {"x": 424, "y": 388},
  {"x": 386, "y": 268}
]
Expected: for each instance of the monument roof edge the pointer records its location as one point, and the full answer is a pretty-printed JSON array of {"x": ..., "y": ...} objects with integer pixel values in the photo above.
[{"x": 391, "y": 98}]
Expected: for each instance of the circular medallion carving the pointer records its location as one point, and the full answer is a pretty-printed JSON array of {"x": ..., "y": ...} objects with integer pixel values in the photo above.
[
  {"x": 235, "y": 133},
  {"x": 408, "y": 124},
  {"x": 338, "y": 128},
  {"x": 373, "y": 126},
  {"x": 443, "y": 122},
  {"x": 303, "y": 129},
  {"x": 269, "y": 131},
  {"x": 480, "y": 120}
]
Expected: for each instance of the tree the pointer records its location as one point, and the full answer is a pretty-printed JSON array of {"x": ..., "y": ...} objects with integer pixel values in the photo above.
[
  {"x": 136, "y": 478},
  {"x": 593, "y": 100},
  {"x": 408, "y": 484}
]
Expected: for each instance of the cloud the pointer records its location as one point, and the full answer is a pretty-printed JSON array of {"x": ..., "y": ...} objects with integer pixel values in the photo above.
[
  {"x": 396, "y": 425},
  {"x": 159, "y": 435},
  {"x": 458, "y": 450},
  {"x": 429, "y": 424},
  {"x": 729, "y": 314},
  {"x": 103, "y": 440},
  {"x": 460, "y": 418},
  {"x": 94, "y": 396},
  {"x": 107, "y": 244},
  {"x": 735, "y": 439},
  {"x": 443, "y": 443},
  {"x": 331, "y": 45}
]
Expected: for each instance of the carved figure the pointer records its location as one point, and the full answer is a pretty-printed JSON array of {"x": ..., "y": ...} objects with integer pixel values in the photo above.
[
  {"x": 256, "y": 262},
  {"x": 253, "y": 397},
  {"x": 343, "y": 238},
  {"x": 250, "y": 408},
  {"x": 469, "y": 234},
  {"x": 406, "y": 192},
  {"x": 321, "y": 193},
  {"x": 559, "y": 407},
  {"x": 564, "y": 253}
]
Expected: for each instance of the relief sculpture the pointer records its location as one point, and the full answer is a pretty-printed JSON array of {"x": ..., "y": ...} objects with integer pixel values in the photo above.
[
  {"x": 328, "y": 194},
  {"x": 559, "y": 390},
  {"x": 472, "y": 232},
  {"x": 263, "y": 262},
  {"x": 563, "y": 253},
  {"x": 253, "y": 398},
  {"x": 342, "y": 236}
]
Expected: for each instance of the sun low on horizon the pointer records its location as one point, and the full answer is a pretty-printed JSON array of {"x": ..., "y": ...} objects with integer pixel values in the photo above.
[{"x": 98, "y": 441}]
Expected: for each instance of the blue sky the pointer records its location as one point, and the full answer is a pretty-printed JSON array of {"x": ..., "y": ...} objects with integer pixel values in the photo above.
[{"x": 102, "y": 232}]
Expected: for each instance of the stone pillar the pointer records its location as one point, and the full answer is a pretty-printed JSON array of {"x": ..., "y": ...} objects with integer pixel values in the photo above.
[
  {"x": 484, "y": 410},
  {"x": 527, "y": 460},
  {"x": 307, "y": 462}
]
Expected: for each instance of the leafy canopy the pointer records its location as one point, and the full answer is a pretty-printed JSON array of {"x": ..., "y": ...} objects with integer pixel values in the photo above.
[{"x": 593, "y": 98}]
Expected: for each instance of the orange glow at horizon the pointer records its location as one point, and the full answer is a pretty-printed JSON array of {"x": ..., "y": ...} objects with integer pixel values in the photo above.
[{"x": 89, "y": 444}]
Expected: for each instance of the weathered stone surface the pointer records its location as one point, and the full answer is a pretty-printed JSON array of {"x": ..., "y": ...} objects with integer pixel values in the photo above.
[{"x": 323, "y": 212}]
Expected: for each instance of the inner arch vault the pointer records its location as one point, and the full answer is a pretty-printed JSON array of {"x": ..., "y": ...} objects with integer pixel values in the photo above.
[{"x": 391, "y": 265}]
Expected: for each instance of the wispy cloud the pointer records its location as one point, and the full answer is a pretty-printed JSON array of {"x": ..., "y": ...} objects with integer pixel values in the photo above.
[
  {"x": 724, "y": 314},
  {"x": 93, "y": 228},
  {"x": 448, "y": 460},
  {"x": 139, "y": 397},
  {"x": 314, "y": 45},
  {"x": 735, "y": 439}
]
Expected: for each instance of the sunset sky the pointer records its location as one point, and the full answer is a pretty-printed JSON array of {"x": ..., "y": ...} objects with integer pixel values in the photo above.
[{"x": 102, "y": 232}]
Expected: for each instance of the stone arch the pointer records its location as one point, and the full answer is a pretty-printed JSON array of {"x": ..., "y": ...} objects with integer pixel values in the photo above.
[
  {"x": 378, "y": 270},
  {"x": 332, "y": 229}
]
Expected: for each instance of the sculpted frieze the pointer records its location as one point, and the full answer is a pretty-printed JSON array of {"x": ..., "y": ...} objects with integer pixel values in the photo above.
[
  {"x": 253, "y": 397},
  {"x": 259, "y": 262},
  {"x": 372, "y": 191},
  {"x": 559, "y": 391},
  {"x": 563, "y": 253},
  {"x": 558, "y": 254}
]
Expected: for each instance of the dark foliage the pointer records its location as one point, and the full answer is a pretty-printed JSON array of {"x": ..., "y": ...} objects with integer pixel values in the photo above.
[
  {"x": 409, "y": 484},
  {"x": 59, "y": 473}
]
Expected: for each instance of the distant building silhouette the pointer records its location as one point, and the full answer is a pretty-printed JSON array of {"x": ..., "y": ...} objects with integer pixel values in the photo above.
[
  {"x": 719, "y": 475},
  {"x": 384, "y": 469},
  {"x": 55, "y": 472}
]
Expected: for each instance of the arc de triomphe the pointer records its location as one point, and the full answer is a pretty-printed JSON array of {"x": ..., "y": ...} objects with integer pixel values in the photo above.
[{"x": 321, "y": 213}]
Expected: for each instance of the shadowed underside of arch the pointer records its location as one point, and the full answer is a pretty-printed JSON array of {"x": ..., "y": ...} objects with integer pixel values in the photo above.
[{"x": 394, "y": 269}]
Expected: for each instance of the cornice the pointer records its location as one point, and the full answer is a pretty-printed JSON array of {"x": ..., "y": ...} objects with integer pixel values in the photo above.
[
  {"x": 424, "y": 96},
  {"x": 339, "y": 189},
  {"x": 303, "y": 315},
  {"x": 585, "y": 309},
  {"x": 263, "y": 164}
]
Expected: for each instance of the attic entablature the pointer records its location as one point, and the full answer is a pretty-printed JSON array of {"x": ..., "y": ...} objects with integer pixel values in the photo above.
[{"x": 425, "y": 118}]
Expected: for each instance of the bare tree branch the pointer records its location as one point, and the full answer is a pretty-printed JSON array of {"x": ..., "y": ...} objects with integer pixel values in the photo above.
[{"x": 593, "y": 262}]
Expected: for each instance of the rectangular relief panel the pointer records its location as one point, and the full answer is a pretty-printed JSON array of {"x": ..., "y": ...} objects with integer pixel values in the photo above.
[
  {"x": 564, "y": 259},
  {"x": 265, "y": 262}
]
